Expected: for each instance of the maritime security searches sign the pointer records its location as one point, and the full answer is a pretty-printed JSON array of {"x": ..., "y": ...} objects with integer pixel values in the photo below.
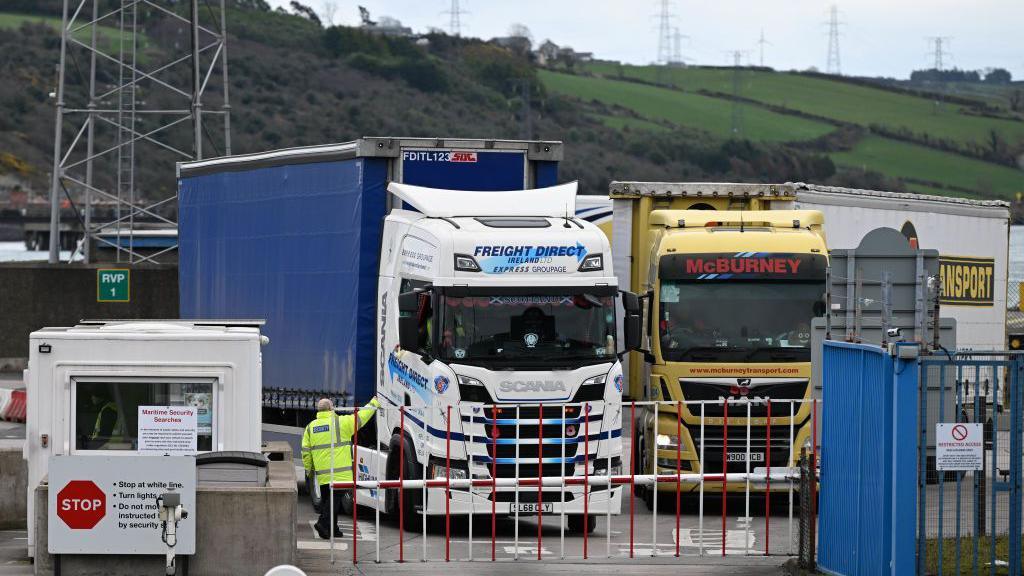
[
  {"x": 967, "y": 281},
  {"x": 530, "y": 259},
  {"x": 107, "y": 504}
]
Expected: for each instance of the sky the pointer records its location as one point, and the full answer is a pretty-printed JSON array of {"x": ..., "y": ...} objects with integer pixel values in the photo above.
[{"x": 877, "y": 37}]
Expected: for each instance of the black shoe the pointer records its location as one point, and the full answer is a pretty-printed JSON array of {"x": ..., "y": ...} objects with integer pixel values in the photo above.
[
  {"x": 338, "y": 533},
  {"x": 321, "y": 532}
]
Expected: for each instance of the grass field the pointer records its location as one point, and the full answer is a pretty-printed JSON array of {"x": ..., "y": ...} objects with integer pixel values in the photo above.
[
  {"x": 827, "y": 98},
  {"x": 966, "y": 546},
  {"x": 108, "y": 37},
  {"x": 710, "y": 114},
  {"x": 912, "y": 161},
  {"x": 620, "y": 122}
]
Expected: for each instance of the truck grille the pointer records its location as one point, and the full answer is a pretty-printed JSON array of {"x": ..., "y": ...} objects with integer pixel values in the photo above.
[
  {"x": 707, "y": 391},
  {"x": 714, "y": 444},
  {"x": 528, "y": 434}
]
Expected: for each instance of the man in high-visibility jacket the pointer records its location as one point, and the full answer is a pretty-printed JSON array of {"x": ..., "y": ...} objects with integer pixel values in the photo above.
[{"x": 327, "y": 445}]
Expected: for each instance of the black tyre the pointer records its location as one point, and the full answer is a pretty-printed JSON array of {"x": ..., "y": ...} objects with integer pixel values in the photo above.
[
  {"x": 412, "y": 471},
  {"x": 579, "y": 522}
]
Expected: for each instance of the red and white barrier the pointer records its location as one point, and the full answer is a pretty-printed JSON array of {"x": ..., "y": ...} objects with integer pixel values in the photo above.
[
  {"x": 759, "y": 479},
  {"x": 12, "y": 405}
]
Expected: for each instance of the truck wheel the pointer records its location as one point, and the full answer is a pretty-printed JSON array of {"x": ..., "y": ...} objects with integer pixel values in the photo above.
[
  {"x": 577, "y": 523},
  {"x": 411, "y": 471}
]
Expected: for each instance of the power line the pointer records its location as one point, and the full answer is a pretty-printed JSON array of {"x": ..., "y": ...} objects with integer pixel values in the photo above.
[
  {"x": 832, "y": 65},
  {"x": 938, "y": 52},
  {"x": 455, "y": 18},
  {"x": 664, "y": 17},
  {"x": 761, "y": 43}
]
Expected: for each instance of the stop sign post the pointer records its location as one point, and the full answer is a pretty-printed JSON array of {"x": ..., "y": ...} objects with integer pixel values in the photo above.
[{"x": 81, "y": 504}]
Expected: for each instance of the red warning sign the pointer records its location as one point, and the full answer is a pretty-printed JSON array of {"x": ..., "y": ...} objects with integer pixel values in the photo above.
[{"x": 81, "y": 504}]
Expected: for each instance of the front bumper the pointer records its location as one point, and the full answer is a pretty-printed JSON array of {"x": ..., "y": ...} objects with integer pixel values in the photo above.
[{"x": 478, "y": 501}]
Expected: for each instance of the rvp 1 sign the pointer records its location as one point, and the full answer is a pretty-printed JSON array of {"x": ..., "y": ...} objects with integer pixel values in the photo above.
[
  {"x": 959, "y": 446},
  {"x": 113, "y": 285}
]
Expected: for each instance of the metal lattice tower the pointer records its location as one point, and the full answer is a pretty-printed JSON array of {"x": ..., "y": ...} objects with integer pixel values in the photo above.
[
  {"x": 664, "y": 17},
  {"x": 761, "y": 43},
  {"x": 832, "y": 65},
  {"x": 737, "y": 108},
  {"x": 677, "y": 47},
  {"x": 939, "y": 53},
  {"x": 455, "y": 18},
  {"x": 129, "y": 110}
]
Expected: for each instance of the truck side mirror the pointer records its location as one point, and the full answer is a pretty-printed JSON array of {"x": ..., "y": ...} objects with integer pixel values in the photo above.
[
  {"x": 632, "y": 322},
  {"x": 408, "y": 323}
]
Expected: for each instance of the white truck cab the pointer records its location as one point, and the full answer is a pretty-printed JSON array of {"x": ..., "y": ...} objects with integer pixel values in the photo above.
[{"x": 497, "y": 310}]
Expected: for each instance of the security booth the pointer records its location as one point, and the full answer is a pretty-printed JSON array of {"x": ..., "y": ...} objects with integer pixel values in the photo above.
[{"x": 116, "y": 389}]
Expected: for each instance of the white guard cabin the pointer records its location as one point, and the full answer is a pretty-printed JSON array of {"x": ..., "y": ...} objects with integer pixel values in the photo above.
[{"x": 86, "y": 383}]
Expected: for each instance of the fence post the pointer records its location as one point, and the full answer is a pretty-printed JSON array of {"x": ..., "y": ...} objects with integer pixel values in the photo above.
[{"x": 904, "y": 457}]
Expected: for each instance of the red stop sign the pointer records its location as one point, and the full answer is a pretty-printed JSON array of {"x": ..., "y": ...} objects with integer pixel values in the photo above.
[{"x": 81, "y": 504}]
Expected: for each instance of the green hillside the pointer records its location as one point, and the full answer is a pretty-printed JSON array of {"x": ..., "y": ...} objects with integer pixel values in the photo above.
[{"x": 929, "y": 144}]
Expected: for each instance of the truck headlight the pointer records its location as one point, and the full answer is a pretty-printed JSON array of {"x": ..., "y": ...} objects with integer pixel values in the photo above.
[
  {"x": 453, "y": 473},
  {"x": 666, "y": 441},
  {"x": 466, "y": 263},
  {"x": 592, "y": 263},
  {"x": 599, "y": 379}
]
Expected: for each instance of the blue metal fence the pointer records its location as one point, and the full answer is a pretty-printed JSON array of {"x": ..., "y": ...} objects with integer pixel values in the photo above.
[
  {"x": 885, "y": 507},
  {"x": 867, "y": 461}
]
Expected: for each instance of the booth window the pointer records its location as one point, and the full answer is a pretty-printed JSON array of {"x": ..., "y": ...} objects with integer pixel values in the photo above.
[{"x": 107, "y": 413}]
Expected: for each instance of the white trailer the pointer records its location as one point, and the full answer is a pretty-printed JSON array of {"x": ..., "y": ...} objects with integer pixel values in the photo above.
[
  {"x": 85, "y": 385},
  {"x": 972, "y": 237}
]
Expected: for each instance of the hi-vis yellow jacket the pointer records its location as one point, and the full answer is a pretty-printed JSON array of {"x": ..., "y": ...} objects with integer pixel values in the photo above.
[{"x": 317, "y": 443}]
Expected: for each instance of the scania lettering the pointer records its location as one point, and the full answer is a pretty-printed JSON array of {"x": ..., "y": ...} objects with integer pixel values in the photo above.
[{"x": 462, "y": 280}]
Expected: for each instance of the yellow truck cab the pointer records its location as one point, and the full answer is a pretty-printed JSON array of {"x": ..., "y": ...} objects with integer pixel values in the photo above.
[{"x": 731, "y": 286}]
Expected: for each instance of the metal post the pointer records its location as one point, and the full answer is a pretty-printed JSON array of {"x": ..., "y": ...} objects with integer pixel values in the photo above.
[
  {"x": 197, "y": 105},
  {"x": 90, "y": 136},
  {"x": 58, "y": 124},
  {"x": 226, "y": 107}
]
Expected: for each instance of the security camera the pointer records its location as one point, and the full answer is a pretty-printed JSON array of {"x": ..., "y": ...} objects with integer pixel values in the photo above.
[{"x": 893, "y": 332}]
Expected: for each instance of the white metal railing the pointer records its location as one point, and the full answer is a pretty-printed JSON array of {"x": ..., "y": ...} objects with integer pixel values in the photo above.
[{"x": 760, "y": 479}]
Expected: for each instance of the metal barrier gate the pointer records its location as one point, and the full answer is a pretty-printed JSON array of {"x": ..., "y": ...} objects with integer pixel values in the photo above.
[
  {"x": 969, "y": 469},
  {"x": 778, "y": 478}
]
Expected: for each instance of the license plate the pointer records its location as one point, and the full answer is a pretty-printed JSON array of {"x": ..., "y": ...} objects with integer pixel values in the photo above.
[
  {"x": 742, "y": 457},
  {"x": 531, "y": 508}
]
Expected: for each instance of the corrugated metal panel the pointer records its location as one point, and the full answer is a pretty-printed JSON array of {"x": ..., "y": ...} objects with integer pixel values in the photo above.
[
  {"x": 855, "y": 503},
  {"x": 290, "y": 244}
]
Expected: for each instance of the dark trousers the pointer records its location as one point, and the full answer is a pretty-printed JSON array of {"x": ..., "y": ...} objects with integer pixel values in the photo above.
[{"x": 328, "y": 517}]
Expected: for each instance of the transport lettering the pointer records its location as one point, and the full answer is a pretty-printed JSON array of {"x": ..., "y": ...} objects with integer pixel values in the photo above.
[
  {"x": 532, "y": 386},
  {"x": 967, "y": 281}
]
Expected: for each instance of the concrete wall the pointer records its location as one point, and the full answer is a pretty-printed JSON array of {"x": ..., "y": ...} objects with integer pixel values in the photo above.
[
  {"x": 36, "y": 294},
  {"x": 13, "y": 480},
  {"x": 239, "y": 530}
]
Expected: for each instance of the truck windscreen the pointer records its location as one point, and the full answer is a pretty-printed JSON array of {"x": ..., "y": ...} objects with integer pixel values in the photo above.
[
  {"x": 737, "y": 321},
  {"x": 528, "y": 331}
]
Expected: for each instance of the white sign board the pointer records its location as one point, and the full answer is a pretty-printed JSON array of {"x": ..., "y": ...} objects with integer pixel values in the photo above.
[
  {"x": 168, "y": 429},
  {"x": 107, "y": 504},
  {"x": 959, "y": 446}
]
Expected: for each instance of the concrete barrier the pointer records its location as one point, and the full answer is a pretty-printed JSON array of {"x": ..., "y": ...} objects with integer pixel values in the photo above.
[
  {"x": 239, "y": 530},
  {"x": 13, "y": 487}
]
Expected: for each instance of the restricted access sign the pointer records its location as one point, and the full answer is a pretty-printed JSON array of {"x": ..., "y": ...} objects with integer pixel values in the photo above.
[
  {"x": 113, "y": 285},
  {"x": 959, "y": 446},
  {"x": 107, "y": 504}
]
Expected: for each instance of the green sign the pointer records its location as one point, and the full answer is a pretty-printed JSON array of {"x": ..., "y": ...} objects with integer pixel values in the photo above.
[{"x": 112, "y": 285}]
